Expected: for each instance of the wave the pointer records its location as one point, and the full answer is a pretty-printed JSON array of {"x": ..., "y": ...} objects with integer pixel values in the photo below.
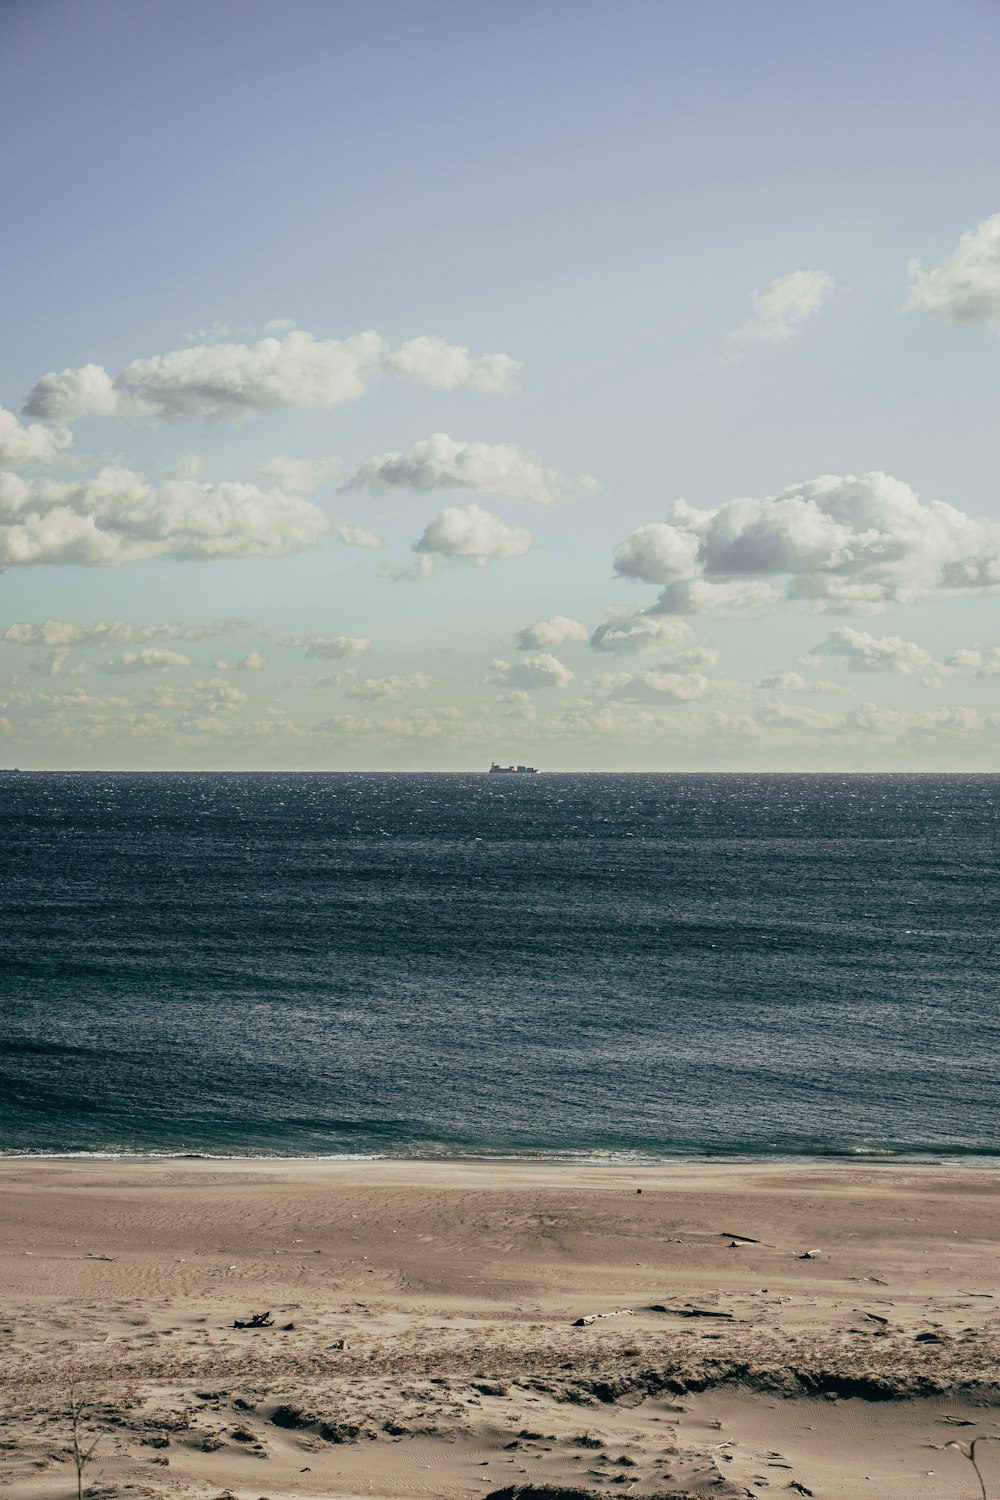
[{"x": 898, "y": 1155}]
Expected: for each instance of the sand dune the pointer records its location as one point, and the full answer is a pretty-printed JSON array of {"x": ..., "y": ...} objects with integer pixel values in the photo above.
[{"x": 824, "y": 1330}]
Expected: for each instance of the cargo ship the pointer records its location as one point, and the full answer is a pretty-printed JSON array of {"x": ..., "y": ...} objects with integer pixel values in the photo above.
[{"x": 496, "y": 770}]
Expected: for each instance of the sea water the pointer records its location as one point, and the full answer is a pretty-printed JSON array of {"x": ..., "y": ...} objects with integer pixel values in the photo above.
[{"x": 600, "y": 966}]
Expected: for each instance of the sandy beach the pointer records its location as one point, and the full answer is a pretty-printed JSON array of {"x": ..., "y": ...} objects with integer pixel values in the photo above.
[{"x": 821, "y": 1330}]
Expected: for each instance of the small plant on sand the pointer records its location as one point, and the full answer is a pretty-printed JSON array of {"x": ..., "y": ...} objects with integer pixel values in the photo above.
[
  {"x": 82, "y": 1450},
  {"x": 968, "y": 1450}
]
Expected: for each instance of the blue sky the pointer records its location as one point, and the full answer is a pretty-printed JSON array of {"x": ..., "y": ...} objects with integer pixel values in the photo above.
[{"x": 556, "y": 218}]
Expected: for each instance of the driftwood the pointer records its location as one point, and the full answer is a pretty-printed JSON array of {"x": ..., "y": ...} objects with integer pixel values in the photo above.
[
  {"x": 691, "y": 1312},
  {"x": 623, "y": 1312},
  {"x": 256, "y": 1320}
]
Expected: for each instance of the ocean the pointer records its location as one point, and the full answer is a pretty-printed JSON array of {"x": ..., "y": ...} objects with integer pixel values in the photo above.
[{"x": 597, "y": 967}]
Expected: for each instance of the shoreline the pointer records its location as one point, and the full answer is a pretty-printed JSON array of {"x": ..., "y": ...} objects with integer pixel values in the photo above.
[
  {"x": 961, "y": 1160},
  {"x": 751, "y": 1325}
]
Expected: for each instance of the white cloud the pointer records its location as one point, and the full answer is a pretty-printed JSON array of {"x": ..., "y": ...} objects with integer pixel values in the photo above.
[
  {"x": 118, "y": 517},
  {"x": 737, "y": 724},
  {"x": 551, "y": 632},
  {"x": 67, "y": 394},
  {"x": 532, "y": 673},
  {"x": 623, "y": 720},
  {"x": 965, "y": 659},
  {"x": 188, "y": 466},
  {"x": 347, "y": 724},
  {"x": 794, "y": 682},
  {"x": 203, "y": 724},
  {"x": 54, "y": 664},
  {"x": 424, "y": 723},
  {"x": 870, "y": 719},
  {"x": 965, "y": 287},
  {"x": 213, "y": 696},
  {"x": 356, "y": 536},
  {"x": 420, "y": 569},
  {"x": 444, "y": 367},
  {"x": 799, "y": 716},
  {"x": 252, "y": 662},
  {"x": 441, "y": 463},
  {"x": 779, "y": 313},
  {"x": 848, "y": 543},
  {"x": 883, "y": 653},
  {"x": 150, "y": 659},
  {"x": 301, "y": 475},
  {"x": 217, "y": 380},
  {"x": 675, "y": 687},
  {"x": 388, "y": 689},
  {"x": 23, "y": 446},
  {"x": 332, "y": 647},
  {"x": 421, "y": 723},
  {"x": 697, "y": 596},
  {"x": 105, "y": 633},
  {"x": 474, "y": 533},
  {"x": 972, "y": 659},
  {"x": 642, "y": 632}
]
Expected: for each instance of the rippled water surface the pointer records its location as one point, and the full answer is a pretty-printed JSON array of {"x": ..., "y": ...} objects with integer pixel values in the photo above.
[{"x": 443, "y": 964}]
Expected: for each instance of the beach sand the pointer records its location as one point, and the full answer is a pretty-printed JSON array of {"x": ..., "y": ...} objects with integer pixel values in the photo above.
[{"x": 424, "y": 1339}]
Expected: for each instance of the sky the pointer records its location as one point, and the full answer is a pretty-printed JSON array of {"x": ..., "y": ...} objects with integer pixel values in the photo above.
[{"x": 413, "y": 384}]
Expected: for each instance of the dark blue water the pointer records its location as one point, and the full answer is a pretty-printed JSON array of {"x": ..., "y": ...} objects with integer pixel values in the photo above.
[{"x": 451, "y": 964}]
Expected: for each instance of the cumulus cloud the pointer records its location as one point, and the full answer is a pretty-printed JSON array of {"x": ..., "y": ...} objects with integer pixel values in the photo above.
[
  {"x": 213, "y": 696},
  {"x": 388, "y": 689},
  {"x": 356, "y": 536},
  {"x": 440, "y": 366},
  {"x": 67, "y": 394},
  {"x": 424, "y": 723},
  {"x": 799, "y": 716},
  {"x": 347, "y": 724},
  {"x": 966, "y": 659},
  {"x": 642, "y": 632},
  {"x": 674, "y": 687},
  {"x": 118, "y": 517},
  {"x": 868, "y": 718},
  {"x": 442, "y": 463},
  {"x": 552, "y": 632},
  {"x": 882, "y": 653},
  {"x": 697, "y": 596},
  {"x": 106, "y": 633},
  {"x": 252, "y": 662},
  {"x": 972, "y": 660},
  {"x": 532, "y": 673},
  {"x": 23, "y": 446},
  {"x": 473, "y": 533},
  {"x": 794, "y": 682},
  {"x": 188, "y": 466},
  {"x": 332, "y": 647},
  {"x": 421, "y": 723},
  {"x": 843, "y": 542},
  {"x": 779, "y": 313},
  {"x": 220, "y": 380},
  {"x": 420, "y": 569},
  {"x": 56, "y": 663},
  {"x": 301, "y": 475},
  {"x": 150, "y": 659},
  {"x": 965, "y": 287}
]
